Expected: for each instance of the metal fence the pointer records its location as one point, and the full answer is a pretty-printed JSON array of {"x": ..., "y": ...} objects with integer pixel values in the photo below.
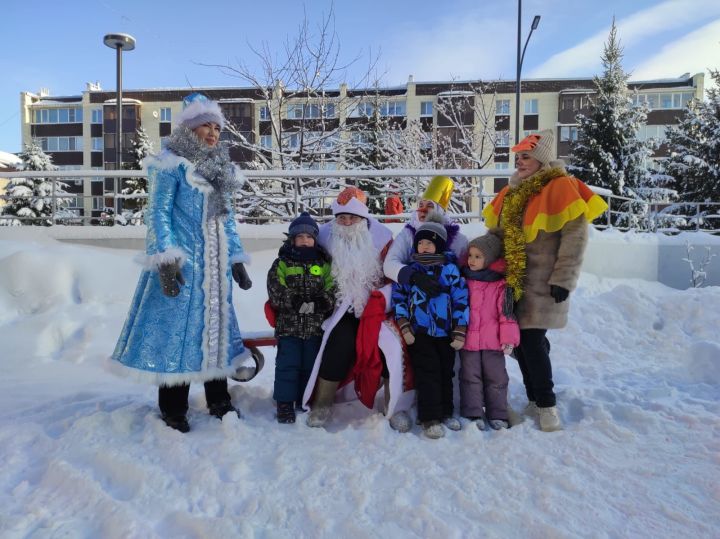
[{"x": 279, "y": 195}]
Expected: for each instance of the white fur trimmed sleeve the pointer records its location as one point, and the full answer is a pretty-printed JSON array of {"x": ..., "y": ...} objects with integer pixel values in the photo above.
[{"x": 398, "y": 255}]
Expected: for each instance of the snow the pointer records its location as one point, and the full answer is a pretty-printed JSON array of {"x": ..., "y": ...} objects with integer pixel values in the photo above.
[{"x": 84, "y": 453}]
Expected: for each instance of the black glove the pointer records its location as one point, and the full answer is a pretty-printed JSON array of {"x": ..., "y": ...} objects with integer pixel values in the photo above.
[
  {"x": 559, "y": 293},
  {"x": 323, "y": 304},
  {"x": 240, "y": 275},
  {"x": 297, "y": 301},
  {"x": 426, "y": 283},
  {"x": 171, "y": 279}
]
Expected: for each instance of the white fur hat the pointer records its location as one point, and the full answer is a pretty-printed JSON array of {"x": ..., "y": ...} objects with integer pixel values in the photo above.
[{"x": 198, "y": 110}]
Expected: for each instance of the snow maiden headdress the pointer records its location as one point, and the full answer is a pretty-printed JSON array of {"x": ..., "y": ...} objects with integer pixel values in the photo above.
[{"x": 199, "y": 110}]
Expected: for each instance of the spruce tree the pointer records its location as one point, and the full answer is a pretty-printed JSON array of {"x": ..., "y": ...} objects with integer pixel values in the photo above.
[
  {"x": 141, "y": 148},
  {"x": 694, "y": 145},
  {"x": 608, "y": 153},
  {"x": 34, "y": 201}
]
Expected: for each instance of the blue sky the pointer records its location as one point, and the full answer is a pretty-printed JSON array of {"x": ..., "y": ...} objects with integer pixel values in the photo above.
[{"x": 58, "y": 45}]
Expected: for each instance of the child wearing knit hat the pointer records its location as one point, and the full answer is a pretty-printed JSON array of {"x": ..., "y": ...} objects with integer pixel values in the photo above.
[
  {"x": 301, "y": 292},
  {"x": 492, "y": 333},
  {"x": 433, "y": 327}
]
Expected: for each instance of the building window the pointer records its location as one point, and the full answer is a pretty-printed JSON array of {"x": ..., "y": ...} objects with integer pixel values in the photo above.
[
  {"x": 502, "y": 166},
  {"x": 360, "y": 138},
  {"x": 265, "y": 112},
  {"x": 165, "y": 114},
  {"x": 291, "y": 141},
  {"x": 663, "y": 100},
  {"x": 97, "y": 116},
  {"x": 266, "y": 141},
  {"x": 531, "y": 106},
  {"x": 97, "y": 144},
  {"x": 298, "y": 111},
  {"x": 502, "y": 107},
  {"x": 72, "y": 115},
  {"x": 362, "y": 109},
  {"x": 568, "y": 133},
  {"x": 392, "y": 108},
  {"x": 502, "y": 138},
  {"x": 163, "y": 142},
  {"x": 653, "y": 132},
  {"x": 426, "y": 108},
  {"x": 61, "y": 144}
]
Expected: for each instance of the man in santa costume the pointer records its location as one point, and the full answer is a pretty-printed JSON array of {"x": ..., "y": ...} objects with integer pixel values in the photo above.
[{"x": 361, "y": 347}]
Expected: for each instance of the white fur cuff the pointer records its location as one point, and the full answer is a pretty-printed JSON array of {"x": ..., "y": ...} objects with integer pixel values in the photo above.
[
  {"x": 242, "y": 258},
  {"x": 153, "y": 262}
]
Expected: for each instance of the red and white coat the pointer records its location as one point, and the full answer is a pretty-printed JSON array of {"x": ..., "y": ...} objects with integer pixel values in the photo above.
[{"x": 389, "y": 340}]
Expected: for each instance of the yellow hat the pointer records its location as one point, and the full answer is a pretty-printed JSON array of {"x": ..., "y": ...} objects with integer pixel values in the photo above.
[{"x": 439, "y": 191}]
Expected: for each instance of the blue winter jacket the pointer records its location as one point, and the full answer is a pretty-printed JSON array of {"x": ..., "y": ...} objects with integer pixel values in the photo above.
[{"x": 437, "y": 316}]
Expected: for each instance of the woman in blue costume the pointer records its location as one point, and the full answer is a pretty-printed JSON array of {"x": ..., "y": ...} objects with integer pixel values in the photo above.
[{"x": 181, "y": 327}]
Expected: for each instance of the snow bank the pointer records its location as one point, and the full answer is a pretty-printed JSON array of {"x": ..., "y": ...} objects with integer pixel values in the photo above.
[{"x": 84, "y": 454}]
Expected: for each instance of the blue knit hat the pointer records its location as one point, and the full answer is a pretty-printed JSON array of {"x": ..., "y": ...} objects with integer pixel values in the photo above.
[{"x": 303, "y": 223}]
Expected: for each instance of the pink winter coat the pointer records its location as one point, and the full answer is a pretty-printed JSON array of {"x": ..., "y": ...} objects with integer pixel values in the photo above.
[{"x": 489, "y": 328}]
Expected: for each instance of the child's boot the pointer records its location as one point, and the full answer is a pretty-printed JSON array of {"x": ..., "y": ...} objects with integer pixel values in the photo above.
[
  {"x": 499, "y": 424},
  {"x": 433, "y": 429},
  {"x": 286, "y": 412}
]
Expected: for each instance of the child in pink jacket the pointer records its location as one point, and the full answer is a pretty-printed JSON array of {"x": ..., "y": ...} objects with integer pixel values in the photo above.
[{"x": 492, "y": 333}]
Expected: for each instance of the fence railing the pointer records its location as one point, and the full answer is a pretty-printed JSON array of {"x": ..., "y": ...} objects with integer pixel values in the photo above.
[{"x": 279, "y": 195}]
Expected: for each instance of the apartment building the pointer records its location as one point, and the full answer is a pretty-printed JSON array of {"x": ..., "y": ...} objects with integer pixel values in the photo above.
[{"x": 79, "y": 130}]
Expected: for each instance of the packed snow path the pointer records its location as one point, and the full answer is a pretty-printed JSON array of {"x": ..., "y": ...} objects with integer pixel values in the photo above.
[{"x": 85, "y": 454}]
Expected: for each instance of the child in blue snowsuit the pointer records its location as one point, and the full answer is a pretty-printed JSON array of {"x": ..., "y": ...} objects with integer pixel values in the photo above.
[{"x": 433, "y": 327}]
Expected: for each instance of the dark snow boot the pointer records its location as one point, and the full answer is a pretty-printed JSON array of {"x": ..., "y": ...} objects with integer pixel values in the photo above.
[
  {"x": 177, "y": 422},
  {"x": 286, "y": 412},
  {"x": 221, "y": 408}
]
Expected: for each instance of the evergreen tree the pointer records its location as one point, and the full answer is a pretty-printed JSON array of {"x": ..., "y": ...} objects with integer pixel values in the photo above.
[
  {"x": 608, "y": 153},
  {"x": 694, "y": 145},
  {"x": 135, "y": 207},
  {"x": 34, "y": 194}
]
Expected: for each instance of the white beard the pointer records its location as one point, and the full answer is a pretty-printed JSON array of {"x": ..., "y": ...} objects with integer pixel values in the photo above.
[{"x": 356, "y": 266}]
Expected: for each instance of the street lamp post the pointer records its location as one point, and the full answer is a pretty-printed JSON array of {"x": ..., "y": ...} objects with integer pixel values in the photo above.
[
  {"x": 119, "y": 42},
  {"x": 520, "y": 58}
]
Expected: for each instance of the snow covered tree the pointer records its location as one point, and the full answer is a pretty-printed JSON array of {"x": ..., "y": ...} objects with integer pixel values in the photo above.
[
  {"x": 608, "y": 152},
  {"x": 135, "y": 207},
  {"x": 694, "y": 145},
  {"x": 304, "y": 97},
  {"x": 34, "y": 200}
]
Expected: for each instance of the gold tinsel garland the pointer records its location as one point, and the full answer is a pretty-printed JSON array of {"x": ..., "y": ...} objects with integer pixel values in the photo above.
[{"x": 513, "y": 210}]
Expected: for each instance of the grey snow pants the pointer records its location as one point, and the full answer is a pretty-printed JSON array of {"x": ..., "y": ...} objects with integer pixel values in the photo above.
[{"x": 483, "y": 384}]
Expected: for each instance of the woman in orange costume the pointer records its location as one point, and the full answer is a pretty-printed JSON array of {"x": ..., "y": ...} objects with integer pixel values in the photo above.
[{"x": 544, "y": 214}]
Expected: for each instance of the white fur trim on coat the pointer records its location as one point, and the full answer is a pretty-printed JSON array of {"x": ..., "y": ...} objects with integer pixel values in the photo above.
[
  {"x": 153, "y": 262},
  {"x": 243, "y": 258}
]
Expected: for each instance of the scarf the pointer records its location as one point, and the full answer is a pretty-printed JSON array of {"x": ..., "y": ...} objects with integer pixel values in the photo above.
[
  {"x": 486, "y": 275},
  {"x": 429, "y": 259},
  {"x": 212, "y": 163},
  {"x": 302, "y": 254}
]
